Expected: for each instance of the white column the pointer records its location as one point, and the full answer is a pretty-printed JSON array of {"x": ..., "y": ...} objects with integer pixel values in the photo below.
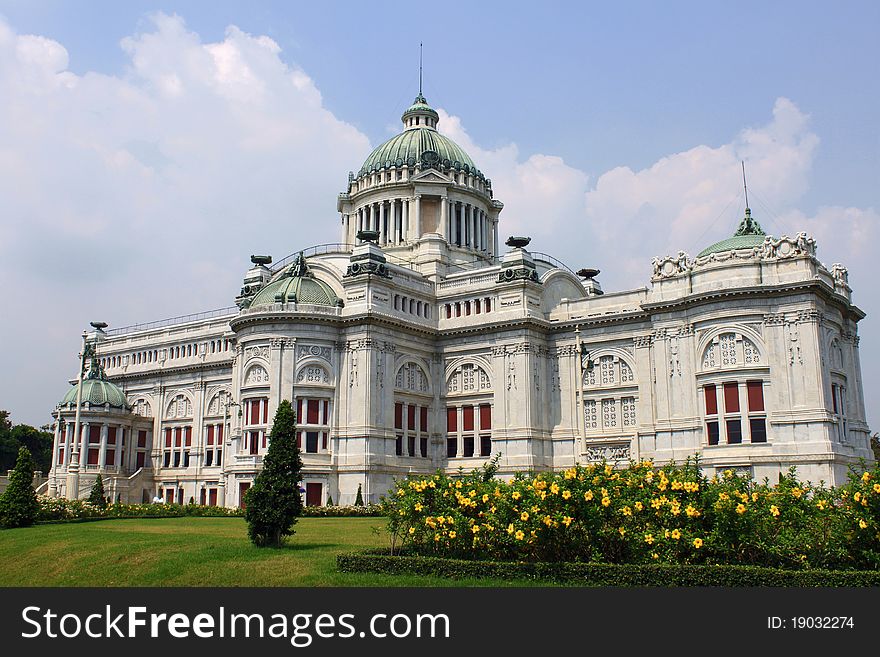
[
  {"x": 485, "y": 231},
  {"x": 418, "y": 233},
  {"x": 472, "y": 222},
  {"x": 84, "y": 442},
  {"x": 495, "y": 248},
  {"x": 102, "y": 452},
  {"x": 405, "y": 219},
  {"x": 344, "y": 233},
  {"x": 370, "y": 217},
  {"x": 383, "y": 225},
  {"x": 117, "y": 454}
]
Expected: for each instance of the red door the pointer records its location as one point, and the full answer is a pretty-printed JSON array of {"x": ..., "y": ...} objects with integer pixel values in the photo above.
[
  {"x": 212, "y": 497},
  {"x": 242, "y": 489},
  {"x": 313, "y": 494}
]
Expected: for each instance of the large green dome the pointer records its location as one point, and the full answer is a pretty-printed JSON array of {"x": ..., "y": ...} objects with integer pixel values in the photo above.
[
  {"x": 296, "y": 285},
  {"x": 97, "y": 392},
  {"x": 747, "y": 236},
  {"x": 420, "y": 144}
]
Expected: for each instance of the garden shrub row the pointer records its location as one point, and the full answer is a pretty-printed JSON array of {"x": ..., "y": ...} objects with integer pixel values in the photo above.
[
  {"x": 640, "y": 514},
  {"x": 597, "y": 574}
]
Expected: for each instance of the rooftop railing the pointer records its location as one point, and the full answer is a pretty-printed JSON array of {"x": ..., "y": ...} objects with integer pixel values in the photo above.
[{"x": 173, "y": 321}]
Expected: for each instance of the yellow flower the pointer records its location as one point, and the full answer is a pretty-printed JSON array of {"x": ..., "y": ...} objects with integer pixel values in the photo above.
[
  {"x": 515, "y": 495},
  {"x": 570, "y": 473},
  {"x": 728, "y": 474},
  {"x": 419, "y": 506},
  {"x": 797, "y": 492},
  {"x": 524, "y": 516},
  {"x": 675, "y": 534},
  {"x": 654, "y": 555},
  {"x": 877, "y": 488},
  {"x": 649, "y": 477},
  {"x": 566, "y": 520},
  {"x": 656, "y": 503},
  {"x": 566, "y": 494},
  {"x": 626, "y": 511},
  {"x": 588, "y": 495},
  {"x": 543, "y": 494},
  {"x": 723, "y": 496},
  {"x": 754, "y": 497},
  {"x": 473, "y": 493},
  {"x": 535, "y": 508},
  {"x": 649, "y": 539},
  {"x": 857, "y": 496},
  {"x": 402, "y": 512},
  {"x": 698, "y": 543},
  {"x": 554, "y": 488},
  {"x": 863, "y": 524},
  {"x": 400, "y": 491},
  {"x": 475, "y": 529},
  {"x": 608, "y": 469},
  {"x": 449, "y": 520},
  {"x": 622, "y": 531},
  {"x": 638, "y": 506},
  {"x": 606, "y": 501},
  {"x": 519, "y": 535},
  {"x": 774, "y": 510},
  {"x": 412, "y": 530},
  {"x": 547, "y": 520},
  {"x": 691, "y": 512},
  {"x": 485, "y": 498},
  {"x": 510, "y": 528},
  {"x": 740, "y": 508},
  {"x": 866, "y": 477},
  {"x": 676, "y": 484},
  {"x": 821, "y": 504},
  {"x": 436, "y": 537},
  {"x": 452, "y": 534}
]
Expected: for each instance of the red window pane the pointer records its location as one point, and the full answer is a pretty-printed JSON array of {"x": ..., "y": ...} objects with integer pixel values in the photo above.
[
  {"x": 219, "y": 433},
  {"x": 299, "y": 441},
  {"x": 451, "y": 419},
  {"x": 485, "y": 416},
  {"x": 313, "y": 407},
  {"x": 167, "y": 437},
  {"x": 188, "y": 433},
  {"x": 299, "y": 410},
  {"x": 326, "y": 418},
  {"x": 323, "y": 440},
  {"x": 142, "y": 438},
  {"x": 265, "y": 411},
  {"x": 110, "y": 457},
  {"x": 398, "y": 416},
  {"x": 211, "y": 434},
  {"x": 141, "y": 459},
  {"x": 111, "y": 436},
  {"x": 423, "y": 419},
  {"x": 711, "y": 400},
  {"x": 468, "y": 418},
  {"x": 61, "y": 456},
  {"x": 95, "y": 434},
  {"x": 411, "y": 418},
  {"x": 177, "y": 436},
  {"x": 731, "y": 398},
  {"x": 93, "y": 457},
  {"x": 756, "y": 395}
]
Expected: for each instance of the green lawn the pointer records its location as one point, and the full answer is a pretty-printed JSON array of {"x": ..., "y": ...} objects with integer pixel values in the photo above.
[{"x": 195, "y": 552}]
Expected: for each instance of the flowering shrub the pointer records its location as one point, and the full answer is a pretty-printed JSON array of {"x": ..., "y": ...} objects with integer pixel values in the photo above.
[
  {"x": 348, "y": 511},
  {"x": 640, "y": 514},
  {"x": 59, "y": 509}
]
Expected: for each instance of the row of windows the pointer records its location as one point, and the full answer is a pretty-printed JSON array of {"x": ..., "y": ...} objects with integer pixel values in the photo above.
[
  {"x": 411, "y": 429},
  {"x": 397, "y": 174},
  {"x": 412, "y": 306},
  {"x": 609, "y": 414},
  {"x": 475, "y": 306},
  {"x": 465, "y": 425},
  {"x": 115, "y": 441},
  {"x": 725, "y": 424},
  {"x": 171, "y": 353}
]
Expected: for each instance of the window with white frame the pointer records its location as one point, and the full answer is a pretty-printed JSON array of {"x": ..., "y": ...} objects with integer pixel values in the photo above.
[
  {"x": 609, "y": 394},
  {"x": 411, "y": 429},
  {"x": 728, "y": 350},
  {"x": 256, "y": 415},
  {"x": 838, "y": 407},
  {"x": 313, "y": 425},
  {"x": 735, "y": 412},
  {"x": 469, "y": 399}
]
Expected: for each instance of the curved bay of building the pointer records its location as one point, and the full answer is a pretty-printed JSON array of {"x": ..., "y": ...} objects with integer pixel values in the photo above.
[{"x": 420, "y": 342}]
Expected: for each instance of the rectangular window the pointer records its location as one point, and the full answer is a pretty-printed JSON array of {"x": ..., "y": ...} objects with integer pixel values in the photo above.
[
  {"x": 423, "y": 447},
  {"x": 188, "y": 436},
  {"x": 411, "y": 418},
  {"x": 485, "y": 445},
  {"x": 111, "y": 435},
  {"x": 411, "y": 445},
  {"x": 398, "y": 445},
  {"x": 312, "y": 412},
  {"x": 211, "y": 434},
  {"x": 94, "y": 435},
  {"x": 178, "y": 433},
  {"x": 219, "y": 457},
  {"x": 451, "y": 448},
  {"x": 326, "y": 418},
  {"x": 398, "y": 415},
  {"x": 176, "y": 459},
  {"x": 451, "y": 419},
  {"x": 468, "y": 446},
  {"x": 141, "y": 459},
  {"x": 219, "y": 434},
  {"x": 712, "y": 432},
  {"x": 142, "y": 439},
  {"x": 731, "y": 398},
  {"x": 756, "y": 395},
  {"x": 423, "y": 418},
  {"x": 758, "y": 430},
  {"x": 711, "y": 400},
  {"x": 734, "y": 432},
  {"x": 60, "y": 456},
  {"x": 265, "y": 410},
  {"x": 166, "y": 459},
  {"x": 299, "y": 410},
  {"x": 212, "y": 497},
  {"x": 209, "y": 458},
  {"x": 93, "y": 457},
  {"x": 186, "y": 459},
  {"x": 299, "y": 442},
  {"x": 167, "y": 437},
  {"x": 312, "y": 442},
  {"x": 485, "y": 416},
  {"x": 254, "y": 441},
  {"x": 467, "y": 418},
  {"x": 110, "y": 457}
]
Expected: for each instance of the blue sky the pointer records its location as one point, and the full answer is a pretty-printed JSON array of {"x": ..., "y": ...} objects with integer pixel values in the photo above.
[{"x": 596, "y": 121}]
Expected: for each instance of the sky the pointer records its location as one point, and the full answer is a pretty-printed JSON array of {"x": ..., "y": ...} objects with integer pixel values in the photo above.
[{"x": 148, "y": 148}]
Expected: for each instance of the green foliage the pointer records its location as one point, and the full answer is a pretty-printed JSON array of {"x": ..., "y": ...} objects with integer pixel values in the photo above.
[
  {"x": 96, "y": 497},
  {"x": 348, "y": 511},
  {"x": 18, "y": 504},
  {"x": 59, "y": 509},
  {"x": 329, "y": 501},
  {"x": 596, "y": 574},
  {"x": 359, "y": 498},
  {"x": 274, "y": 502},
  {"x": 12, "y": 437},
  {"x": 639, "y": 514}
]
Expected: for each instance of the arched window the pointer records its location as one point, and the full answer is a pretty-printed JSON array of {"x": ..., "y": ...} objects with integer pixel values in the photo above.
[{"x": 728, "y": 350}]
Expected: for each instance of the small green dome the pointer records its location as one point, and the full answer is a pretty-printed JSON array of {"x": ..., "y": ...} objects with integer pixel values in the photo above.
[
  {"x": 748, "y": 235},
  {"x": 97, "y": 392},
  {"x": 296, "y": 284},
  {"x": 421, "y": 144}
]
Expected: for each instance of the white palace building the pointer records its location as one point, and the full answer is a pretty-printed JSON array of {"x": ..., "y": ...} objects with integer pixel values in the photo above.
[{"x": 423, "y": 341}]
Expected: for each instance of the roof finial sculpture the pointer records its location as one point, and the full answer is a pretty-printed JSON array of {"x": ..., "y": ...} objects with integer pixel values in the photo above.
[{"x": 747, "y": 226}]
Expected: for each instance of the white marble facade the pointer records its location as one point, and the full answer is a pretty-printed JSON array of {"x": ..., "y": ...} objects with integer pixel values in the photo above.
[{"x": 458, "y": 347}]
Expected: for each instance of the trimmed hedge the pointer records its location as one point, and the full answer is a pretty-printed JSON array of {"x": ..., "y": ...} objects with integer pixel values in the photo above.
[{"x": 596, "y": 574}]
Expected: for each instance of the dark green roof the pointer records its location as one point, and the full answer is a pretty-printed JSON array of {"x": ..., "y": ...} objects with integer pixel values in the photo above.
[
  {"x": 296, "y": 284},
  {"x": 748, "y": 235}
]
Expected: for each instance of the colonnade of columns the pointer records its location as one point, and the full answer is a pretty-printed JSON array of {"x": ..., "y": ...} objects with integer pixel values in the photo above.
[
  {"x": 469, "y": 226},
  {"x": 111, "y": 439}
]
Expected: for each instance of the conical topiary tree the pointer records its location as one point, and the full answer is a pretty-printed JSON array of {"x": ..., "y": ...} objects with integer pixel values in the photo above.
[
  {"x": 18, "y": 503},
  {"x": 96, "y": 497},
  {"x": 274, "y": 502},
  {"x": 329, "y": 500},
  {"x": 359, "y": 498}
]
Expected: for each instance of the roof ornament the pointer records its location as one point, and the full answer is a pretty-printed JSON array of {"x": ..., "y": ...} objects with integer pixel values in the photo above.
[
  {"x": 747, "y": 226},
  {"x": 300, "y": 269},
  {"x": 420, "y": 72}
]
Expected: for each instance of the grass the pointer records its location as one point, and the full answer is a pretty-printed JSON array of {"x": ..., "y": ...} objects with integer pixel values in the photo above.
[{"x": 197, "y": 552}]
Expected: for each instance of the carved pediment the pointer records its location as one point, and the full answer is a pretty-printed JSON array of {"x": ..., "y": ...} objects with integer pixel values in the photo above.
[{"x": 431, "y": 176}]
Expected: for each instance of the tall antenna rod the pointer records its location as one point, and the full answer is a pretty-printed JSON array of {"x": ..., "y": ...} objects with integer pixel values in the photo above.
[
  {"x": 420, "y": 69},
  {"x": 745, "y": 188}
]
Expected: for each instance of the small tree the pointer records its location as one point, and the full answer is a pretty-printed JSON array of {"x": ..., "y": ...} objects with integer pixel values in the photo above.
[
  {"x": 96, "y": 497},
  {"x": 274, "y": 502},
  {"x": 329, "y": 500},
  {"x": 18, "y": 504},
  {"x": 359, "y": 498}
]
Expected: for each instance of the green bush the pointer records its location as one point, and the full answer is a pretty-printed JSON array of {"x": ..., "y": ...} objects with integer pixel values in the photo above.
[
  {"x": 96, "y": 497},
  {"x": 639, "y": 515},
  {"x": 274, "y": 502},
  {"x": 597, "y": 574},
  {"x": 18, "y": 504},
  {"x": 59, "y": 509},
  {"x": 370, "y": 510},
  {"x": 359, "y": 498}
]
